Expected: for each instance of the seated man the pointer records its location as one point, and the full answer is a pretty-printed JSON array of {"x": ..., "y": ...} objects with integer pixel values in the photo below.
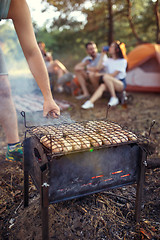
[{"x": 87, "y": 69}]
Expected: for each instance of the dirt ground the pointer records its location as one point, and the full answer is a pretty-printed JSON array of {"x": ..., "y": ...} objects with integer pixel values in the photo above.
[{"x": 108, "y": 215}]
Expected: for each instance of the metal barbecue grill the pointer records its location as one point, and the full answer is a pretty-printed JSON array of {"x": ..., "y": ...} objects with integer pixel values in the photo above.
[{"x": 72, "y": 160}]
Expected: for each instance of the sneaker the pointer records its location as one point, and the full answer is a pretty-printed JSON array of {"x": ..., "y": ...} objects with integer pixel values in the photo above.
[
  {"x": 82, "y": 97},
  {"x": 88, "y": 104},
  {"x": 60, "y": 89},
  {"x": 113, "y": 101},
  {"x": 124, "y": 97},
  {"x": 15, "y": 154}
]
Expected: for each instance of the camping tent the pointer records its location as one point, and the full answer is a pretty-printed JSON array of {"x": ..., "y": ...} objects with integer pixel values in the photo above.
[{"x": 143, "y": 73}]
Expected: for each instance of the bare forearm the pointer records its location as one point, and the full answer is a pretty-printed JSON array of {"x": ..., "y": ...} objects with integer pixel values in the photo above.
[
  {"x": 114, "y": 74},
  {"x": 39, "y": 71},
  {"x": 80, "y": 66},
  {"x": 92, "y": 69},
  {"x": 100, "y": 63}
]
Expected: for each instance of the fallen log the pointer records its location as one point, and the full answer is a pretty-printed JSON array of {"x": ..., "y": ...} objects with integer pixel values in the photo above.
[{"x": 153, "y": 163}]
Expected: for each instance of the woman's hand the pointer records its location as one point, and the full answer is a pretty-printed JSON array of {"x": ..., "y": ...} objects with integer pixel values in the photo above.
[{"x": 50, "y": 109}]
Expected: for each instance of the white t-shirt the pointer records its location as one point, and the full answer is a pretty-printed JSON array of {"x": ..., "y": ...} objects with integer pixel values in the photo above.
[{"x": 113, "y": 65}]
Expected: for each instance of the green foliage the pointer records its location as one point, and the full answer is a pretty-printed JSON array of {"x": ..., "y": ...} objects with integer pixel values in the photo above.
[
  {"x": 68, "y": 33},
  {"x": 96, "y": 26}
]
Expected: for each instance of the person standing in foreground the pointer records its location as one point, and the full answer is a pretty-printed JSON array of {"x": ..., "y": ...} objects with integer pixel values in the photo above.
[
  {"x": 18, "y": 11},
  {"x": 113, "y": 81},
  {"x": 87, "y": 68}
]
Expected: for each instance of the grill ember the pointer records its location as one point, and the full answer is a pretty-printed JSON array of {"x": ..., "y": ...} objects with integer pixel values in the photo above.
[{"x": 67, "y": 138}]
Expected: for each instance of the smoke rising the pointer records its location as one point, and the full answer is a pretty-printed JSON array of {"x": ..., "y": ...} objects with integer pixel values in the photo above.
[{"x": 36, "y": 119}]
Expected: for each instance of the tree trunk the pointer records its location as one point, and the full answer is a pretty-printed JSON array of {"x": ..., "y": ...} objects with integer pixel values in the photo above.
[
  {"x": 110, "y": 24},
  {"x": 153, "y": 163},
  {"x": 129, "y": 16},
  {"x": 157, "y": 14}
]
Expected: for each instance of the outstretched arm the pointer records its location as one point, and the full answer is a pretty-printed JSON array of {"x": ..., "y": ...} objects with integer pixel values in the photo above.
[
  {"x": 81, "y": 66},
  {"x": 100, "y": 63},
  {"x": 20, "y": 14}
]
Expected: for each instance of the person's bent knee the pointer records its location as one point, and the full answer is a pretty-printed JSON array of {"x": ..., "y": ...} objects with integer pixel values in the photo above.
[
  {"x": 91, "y": 74},
  {"x": 107, "y": 78},
  {"x": 102, "y": 87},
  {"x": 5, "y": 92},
  {"x": 77, "y": 70}
]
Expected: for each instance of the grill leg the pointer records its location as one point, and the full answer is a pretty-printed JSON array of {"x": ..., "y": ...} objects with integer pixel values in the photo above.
[
  {"x": 44, "y": 210},
  {"x": 26, "y": 167},
  {"x": 140, "y": 183},
  {"x": 26, "y": 188}
]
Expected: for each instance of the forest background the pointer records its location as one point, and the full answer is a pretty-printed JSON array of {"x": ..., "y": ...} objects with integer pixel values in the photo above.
[{"x": 132, "y": 22}]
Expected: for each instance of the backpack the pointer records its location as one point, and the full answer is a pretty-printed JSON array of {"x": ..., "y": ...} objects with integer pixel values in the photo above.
[{"x": 73, "y": 87}]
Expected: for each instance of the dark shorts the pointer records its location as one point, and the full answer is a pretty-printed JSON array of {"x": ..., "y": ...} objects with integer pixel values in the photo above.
[
  {"x": 122, "y": 80},
  {"x": 3, "y": 69}
]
